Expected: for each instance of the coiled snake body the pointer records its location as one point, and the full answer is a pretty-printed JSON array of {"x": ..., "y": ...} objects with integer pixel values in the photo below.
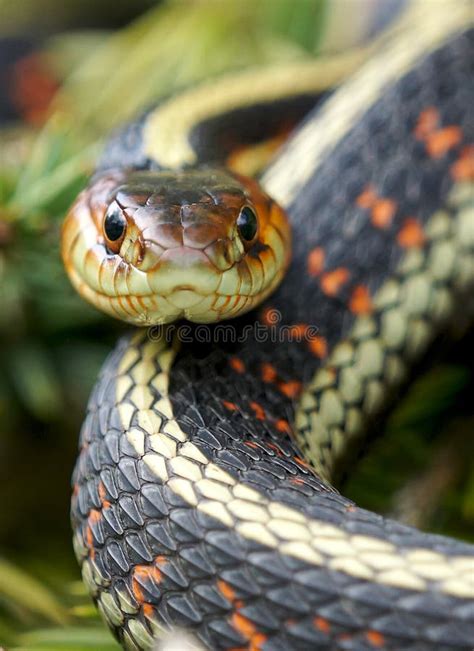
[{"x": 194, "y": 502}]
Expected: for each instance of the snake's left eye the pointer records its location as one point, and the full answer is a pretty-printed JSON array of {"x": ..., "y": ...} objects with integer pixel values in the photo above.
[
  {"x": 114, "y": 227},
  {"x": 247, "y": 224}
]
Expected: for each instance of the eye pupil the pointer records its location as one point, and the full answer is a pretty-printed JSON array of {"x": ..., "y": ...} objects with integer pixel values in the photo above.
[
  {"x": 114, "y": 223},
  {"x": 247, "y": 224}
]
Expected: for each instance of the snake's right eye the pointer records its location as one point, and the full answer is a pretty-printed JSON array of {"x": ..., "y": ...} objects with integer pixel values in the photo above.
[
  {"x": 247, "y": 224},
  {"x": 114, "y": 227}
]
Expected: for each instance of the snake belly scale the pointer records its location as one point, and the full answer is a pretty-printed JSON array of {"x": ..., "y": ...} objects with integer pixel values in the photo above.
[{"x": 202, "y": 495}]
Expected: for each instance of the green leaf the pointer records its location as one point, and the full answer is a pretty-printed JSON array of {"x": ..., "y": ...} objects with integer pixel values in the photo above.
[
  {"x": 68, "y": 639},
  {"x": 36, "y": 380},
  {"x": 430, "y": 395},
  {"x": 26, "y": 592}
]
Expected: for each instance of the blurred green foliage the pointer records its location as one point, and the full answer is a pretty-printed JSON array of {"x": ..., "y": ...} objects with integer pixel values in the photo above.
[{"x": 53, "y": 344}]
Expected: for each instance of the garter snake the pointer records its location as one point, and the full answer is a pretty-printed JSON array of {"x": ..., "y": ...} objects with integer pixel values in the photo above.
[{"x": 202, "y": 495}]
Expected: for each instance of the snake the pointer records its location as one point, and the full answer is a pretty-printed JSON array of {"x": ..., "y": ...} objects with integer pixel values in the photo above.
[{"x": 283, "y": 311}]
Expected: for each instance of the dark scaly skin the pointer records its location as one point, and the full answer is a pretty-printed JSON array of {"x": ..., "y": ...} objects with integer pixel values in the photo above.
[{"x": 162, "y": 562}]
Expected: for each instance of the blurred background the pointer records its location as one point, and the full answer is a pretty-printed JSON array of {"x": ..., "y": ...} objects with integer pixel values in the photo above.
[{"x": 69, "y": 72}]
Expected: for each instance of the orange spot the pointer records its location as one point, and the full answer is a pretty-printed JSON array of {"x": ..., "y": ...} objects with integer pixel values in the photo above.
[
  {"x": 243, "y": 625},
  {"x": 463, "y": 168},
  {"x": 229, "y": 405},
  {"x": 440, "y": 142},
  {"x": 427, "y": 123},
  {"x": 138, "y": 592},
  {"x": 90, "y": 542},
  {"x": 411, "y": 234},
  {"x": 332, "y": 281},
  {"x": 249, "y": 631},
  {"x": 291, "y": 389},
  {"x": 283, "y": 426},
  {"x": 360, "y": 301},
  {"x": 277, "y": 450},
  {"x": 297, "y": 331},
  {"x": 94, "y": 516},
  {"x": 226, "y": 590},
  {"x": 375, "y": 638},
  {"x": 237, "y": 364},
  {"x": 322, "y": 624},
  {"x": 144, "y": 573},
  {"x": 251, "y": 444},
  {"x": 102, "y": 492},
  {"x": 148, "y": 610},
  {"x": 316, "y": 261},
  {"x": 302, "y": 462},
  {"x": 269, "y": 373},
  {"x": 382, "y": 213},
  {"x": 257, "y": 641},
  {"x": 103, "y": 495},
  {"x": 258, "y": 409},
  {"x": 367, "y": 198},
  {"x": 318, "y": 346}
]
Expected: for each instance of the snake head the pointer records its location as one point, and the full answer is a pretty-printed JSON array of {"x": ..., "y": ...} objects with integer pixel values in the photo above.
[{"x": 150, "y": 247}]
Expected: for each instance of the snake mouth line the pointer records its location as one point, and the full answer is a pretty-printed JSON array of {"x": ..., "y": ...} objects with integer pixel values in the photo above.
[
  {"x": 80, "y": 281},
  {"x": 184, "y": 302}
]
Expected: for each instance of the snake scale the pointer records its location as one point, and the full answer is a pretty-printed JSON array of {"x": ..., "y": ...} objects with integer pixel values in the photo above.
[{"x": 202, "y": 496}]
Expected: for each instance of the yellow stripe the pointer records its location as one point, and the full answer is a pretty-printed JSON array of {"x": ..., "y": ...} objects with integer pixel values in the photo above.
[
  {"x": 176, "y": 461},
  {"x": 371, "y": 362},
  {"x": 424, "y": 30},
  {"x": 166, "y": 132}
]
